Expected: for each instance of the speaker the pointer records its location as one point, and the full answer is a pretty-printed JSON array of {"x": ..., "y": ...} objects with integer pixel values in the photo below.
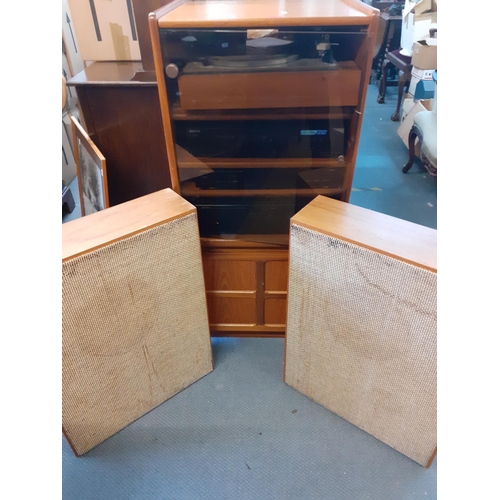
[
  {"x": 134, "y": 317},
  {"x": 362, "y": 322}
]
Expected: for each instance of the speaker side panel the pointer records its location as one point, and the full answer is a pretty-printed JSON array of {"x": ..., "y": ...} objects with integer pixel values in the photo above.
[
  {"x": 135, "y": 329},
  {"x": 361, "y": 339}
]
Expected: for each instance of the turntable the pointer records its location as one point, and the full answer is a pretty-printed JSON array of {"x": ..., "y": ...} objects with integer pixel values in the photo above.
[{"x": 248, "y": 69}]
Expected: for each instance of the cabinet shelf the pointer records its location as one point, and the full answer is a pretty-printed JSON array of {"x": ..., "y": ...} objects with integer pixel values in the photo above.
[
  {"x": 220, "y": 163},
  {"x": 189, "y": 189},
  {"x": 319, "y": 113},
  {"x": 231, "y": 245}
]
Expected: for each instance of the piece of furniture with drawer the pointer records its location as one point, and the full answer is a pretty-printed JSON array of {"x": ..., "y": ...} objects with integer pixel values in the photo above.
[{"x": 262, "y": 108}]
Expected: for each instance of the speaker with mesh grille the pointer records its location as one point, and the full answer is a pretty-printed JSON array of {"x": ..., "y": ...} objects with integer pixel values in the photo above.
[
  {"x": 361, "y": 324},
  {"x": 134, "y": 318}
]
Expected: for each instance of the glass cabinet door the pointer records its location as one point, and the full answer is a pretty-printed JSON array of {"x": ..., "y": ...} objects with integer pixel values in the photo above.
[{"x": 262, "y": 122}]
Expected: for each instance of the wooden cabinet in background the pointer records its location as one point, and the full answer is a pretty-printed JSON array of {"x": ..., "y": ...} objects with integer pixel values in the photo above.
[{"x": 121, "y": 111}]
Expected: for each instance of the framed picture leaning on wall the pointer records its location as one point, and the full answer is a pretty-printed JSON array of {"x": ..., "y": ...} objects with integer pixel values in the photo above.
[{"x": 91, "y": 171}]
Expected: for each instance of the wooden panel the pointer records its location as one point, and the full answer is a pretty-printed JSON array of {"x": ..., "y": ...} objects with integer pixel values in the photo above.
[
  {"x": 364, "y": 61},
  {"x": 276, "y": 276},
  {"x": 266, "y": 90},
  {"x": 235, "y": 276},
  {"x": 275, "y": 311},
  {"x": 220, "y": 247},
  {"x": 229, "y": 275},
  {"x": 125, "y": 124},
  {"x": 264, "y": 13},
  {"x": 388, "y": 235},
  {"x": 162, "y": 95},
  {"x": 141, "y": 10},
  {"x": 115, "y": 223},
  {"x": 240, "y": 294},
  {"x": 232, "y": 311}
]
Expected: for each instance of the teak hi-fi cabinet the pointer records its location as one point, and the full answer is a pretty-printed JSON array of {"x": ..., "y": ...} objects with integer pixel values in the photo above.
[{"x": 262, "y": 103}]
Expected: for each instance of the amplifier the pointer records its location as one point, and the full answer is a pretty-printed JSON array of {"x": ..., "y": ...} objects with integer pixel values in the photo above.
[{"x": 262, "y": 138}]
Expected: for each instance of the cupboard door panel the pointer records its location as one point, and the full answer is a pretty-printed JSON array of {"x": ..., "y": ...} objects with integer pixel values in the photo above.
[
  {"x": 275, "y": 311},
  {"x": 276, "y": 278},
  {"x": 231, "y": 311},
  {"x": 229, "y": 275}
]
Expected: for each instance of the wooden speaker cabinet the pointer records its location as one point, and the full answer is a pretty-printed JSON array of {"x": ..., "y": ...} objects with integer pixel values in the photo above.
[
  {"x": 134, "y": 318},
  {"x": 262, "y": 108},
  {"x": 362, "y": 322}
]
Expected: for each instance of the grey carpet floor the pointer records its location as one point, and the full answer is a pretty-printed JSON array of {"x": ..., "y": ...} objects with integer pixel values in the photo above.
[{"x": 242, "y": 433}]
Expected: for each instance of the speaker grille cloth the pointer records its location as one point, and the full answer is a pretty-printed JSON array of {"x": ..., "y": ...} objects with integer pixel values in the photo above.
[
  {"x": 135, "y": 329},
  {"x": 361, "y": 339}
]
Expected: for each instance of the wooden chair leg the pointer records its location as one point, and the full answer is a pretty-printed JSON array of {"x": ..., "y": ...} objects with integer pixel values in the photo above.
[
  {"x": 412, "y": 137},
  {"x": 429, "y": 166},
  {"x": 383, "y": 83}
]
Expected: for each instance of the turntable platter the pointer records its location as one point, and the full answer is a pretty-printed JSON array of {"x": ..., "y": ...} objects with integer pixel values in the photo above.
[
  {"x": 251, "y": 61},
  {"x": 268, "y": 42}
]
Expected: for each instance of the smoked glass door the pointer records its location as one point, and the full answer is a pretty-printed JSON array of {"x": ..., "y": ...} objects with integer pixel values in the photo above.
[{"x": 261, "y": 121}]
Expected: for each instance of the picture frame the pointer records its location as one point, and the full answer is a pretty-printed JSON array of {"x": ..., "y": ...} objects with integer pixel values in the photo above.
[{"x": 91, "y": 171}]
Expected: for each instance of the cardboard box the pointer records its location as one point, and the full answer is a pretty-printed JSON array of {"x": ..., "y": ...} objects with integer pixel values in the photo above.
[
  {"x": 72, "y": 98},
  {"x": 428, "y": 104},
  {"x": 422, "y": 74},
  {"x": 408, "y": 103},
  {"x": 407, "y": 123},
  {"x": 419, "y": 7},
  {"x": 424, "y": 54},
  {"x": 419, "y": 16},
  {"x": 70, "y": 45},
  {"x": 414, "y": 28},
  {"x": 422, "y": 86},
  {"x": 105, "y": 30}
]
